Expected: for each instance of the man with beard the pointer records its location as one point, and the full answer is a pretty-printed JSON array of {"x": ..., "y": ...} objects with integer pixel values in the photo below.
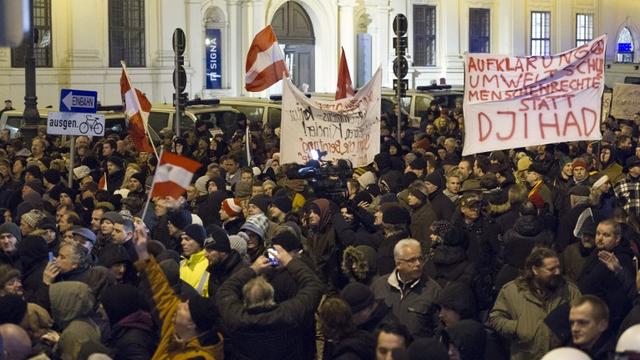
[
  {"x": 524, "y": 303},
  {"x": 223, "y": 260},
  {"x": 596, "y": 278}
]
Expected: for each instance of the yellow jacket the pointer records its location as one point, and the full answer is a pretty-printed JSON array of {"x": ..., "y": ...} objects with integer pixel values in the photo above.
[
  {"x": 194, "y": 272},
  {"x": 167, "y": 304}
]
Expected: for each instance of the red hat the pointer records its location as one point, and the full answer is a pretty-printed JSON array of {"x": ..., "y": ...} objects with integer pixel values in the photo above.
[
  {"x": 579, "y": 162},
  {"x": 232, "y": 207}
]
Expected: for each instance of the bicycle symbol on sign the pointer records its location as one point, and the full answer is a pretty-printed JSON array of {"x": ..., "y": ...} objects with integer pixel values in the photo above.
[{"x": 92, "y": 123}]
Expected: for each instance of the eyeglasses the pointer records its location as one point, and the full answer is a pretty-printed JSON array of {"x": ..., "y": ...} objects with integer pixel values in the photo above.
[{"x": 413, "y": 260}]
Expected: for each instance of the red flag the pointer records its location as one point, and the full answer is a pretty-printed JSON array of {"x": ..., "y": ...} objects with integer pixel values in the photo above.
[
  {"x": 102, "y": 183},
  {"x": 345, "y": 86},
  {"x": 137, "y": 111},
  {"x": 265, "y": 61},
  {"x": 173, "y": 175}
]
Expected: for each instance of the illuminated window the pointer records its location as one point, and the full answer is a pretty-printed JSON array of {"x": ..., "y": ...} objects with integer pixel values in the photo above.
[
  {"x": 479, "y": 30},
  {"x": 126, "y": 33},
  {"x": 540, "y": 33},
  {"x": 42, "y": 38},
  {"x": 424, "y": 35},
  {"x": 584, "y": 28}
]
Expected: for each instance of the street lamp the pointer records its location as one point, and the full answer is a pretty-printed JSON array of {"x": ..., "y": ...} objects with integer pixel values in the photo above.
[{"x": 30, "y": 113}]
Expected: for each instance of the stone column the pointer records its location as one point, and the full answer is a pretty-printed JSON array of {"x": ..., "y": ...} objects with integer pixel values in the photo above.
[
  {"x": 195, "y": 44},
  {"x": 347, "y": 34}
]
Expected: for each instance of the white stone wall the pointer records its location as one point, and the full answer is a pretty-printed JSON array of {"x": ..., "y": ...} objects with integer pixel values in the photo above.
[{"x": 80, "y": 41}]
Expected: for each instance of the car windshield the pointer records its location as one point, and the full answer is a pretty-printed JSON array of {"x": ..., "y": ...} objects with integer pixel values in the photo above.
[{"x": 253, "y": 113}]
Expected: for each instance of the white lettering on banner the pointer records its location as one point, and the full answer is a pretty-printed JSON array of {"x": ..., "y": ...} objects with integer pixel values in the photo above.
[
  {"x": 626, "y": 101},
  {"x": 512, "y": 102},
  {"x": 346, "y": 129},
  {"x": 175, "y": 174},
  {"x": 66, "y": 123}
]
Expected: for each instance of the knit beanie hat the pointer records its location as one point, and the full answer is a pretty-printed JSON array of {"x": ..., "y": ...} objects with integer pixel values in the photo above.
[
  {"x": 203, "y": 312},
  {"x": 418, "y": 164},
  {"x": 117, "y": 161},
  {"x": 12, "y": 309},
  {"x": 232, "y": 207},
  {"x": 180, "y": 219},
  {"x": 52, "y": 176},
  {"x": 12, "y": 229},
  {"x": 261, "y": 201},
  {"x": 120, "y": 301},
  {"x": 196, "y": 232},
  {"x": 7, "y": 273},
  {"x": 435, "y": 178},
  {"x": 579, "y": 162},
  {"x": 36, "y": 185},
  {"x": 419, "y": 190},
  {"x": 283, "y": 203},
  {"x": 33, "y": 217},
  {"x": 242, "y": 189},
  {"x": 34, "y": 170},
  {"x": 140, "y": 177},
  {"x": 258, "y": 224},
  {"x": 396, "y": 214},
  {"x": 238, "y": 243},
  {"x": 217, "y": 240},
  {"x": 358, "y": 296},
  {"x": 288, "y": 240}
]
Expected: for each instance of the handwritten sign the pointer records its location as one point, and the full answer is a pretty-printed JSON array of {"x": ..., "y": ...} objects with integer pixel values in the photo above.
[
  {"x": 346, "y": 129},
  {"x": 626, "y": 101},
  {"x": 513, "y": 102}
]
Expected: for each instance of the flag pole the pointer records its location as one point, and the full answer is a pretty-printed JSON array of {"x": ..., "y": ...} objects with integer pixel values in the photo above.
[
  {"x": 153, "y": 183},
  {"x": 145, "y": 123}
]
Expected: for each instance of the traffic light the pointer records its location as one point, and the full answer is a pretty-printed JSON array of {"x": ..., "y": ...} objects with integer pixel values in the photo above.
[{"x": 400, "y": 63}]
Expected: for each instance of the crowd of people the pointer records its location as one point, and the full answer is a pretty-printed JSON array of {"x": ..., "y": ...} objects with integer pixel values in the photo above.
[{"x": 522, "y": 254}]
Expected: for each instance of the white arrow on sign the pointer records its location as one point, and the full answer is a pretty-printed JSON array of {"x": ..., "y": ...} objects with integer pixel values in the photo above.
[{"x": 78, "y": 101}]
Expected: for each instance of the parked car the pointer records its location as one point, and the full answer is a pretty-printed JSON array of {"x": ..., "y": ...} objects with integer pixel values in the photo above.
[
  {"x": 18, "y": 126},
  {"x": 417, "y": 102},
  {"x": 258, "y": 110}
]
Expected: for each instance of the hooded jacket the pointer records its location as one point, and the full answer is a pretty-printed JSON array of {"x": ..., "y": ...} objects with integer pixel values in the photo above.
[{"x": 72, "y": 305}]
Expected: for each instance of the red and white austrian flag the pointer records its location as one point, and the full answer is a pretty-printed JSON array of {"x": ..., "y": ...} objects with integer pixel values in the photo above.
[
  {"x": 173, "y": 176},
  {"x": 265, "y": 61}
]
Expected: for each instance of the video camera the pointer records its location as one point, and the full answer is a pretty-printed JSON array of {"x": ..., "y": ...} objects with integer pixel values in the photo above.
[{"x": 326, "y": 179}]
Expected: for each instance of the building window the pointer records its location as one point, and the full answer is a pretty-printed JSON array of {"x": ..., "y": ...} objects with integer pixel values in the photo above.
[
  {"x": 126, "y": 33},
  {"x": 625, "y": 46},
  {"x": 540, "y": 33},
  {"x": 584, "y": 28},
  {"x": 479, "y": 30},
  {"x": 424, "y": 35},
  {"x": 42, "y": 37}
]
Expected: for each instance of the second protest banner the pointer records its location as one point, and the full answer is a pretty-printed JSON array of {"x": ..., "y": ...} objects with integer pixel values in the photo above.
[
  {"x": 625, "y": 101},
  {"x": 512, "y": 102},
  {"x": 346, "y": 129}
]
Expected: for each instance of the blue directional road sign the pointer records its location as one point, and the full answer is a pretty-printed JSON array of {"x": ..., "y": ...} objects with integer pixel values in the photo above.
[{"x": 79, "y": 101}]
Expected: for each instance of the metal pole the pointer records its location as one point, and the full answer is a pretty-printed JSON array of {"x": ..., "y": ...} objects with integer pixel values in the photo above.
[
  {"x": 399, "y": 112},
  {"x": 72, "y": 156},
  {"x": 177, "y": 92},
  {"x": 30, "y": 113}
]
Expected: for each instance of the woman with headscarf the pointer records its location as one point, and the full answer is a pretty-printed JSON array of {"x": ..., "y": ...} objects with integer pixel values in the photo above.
[{"x": 321, "y": 240}]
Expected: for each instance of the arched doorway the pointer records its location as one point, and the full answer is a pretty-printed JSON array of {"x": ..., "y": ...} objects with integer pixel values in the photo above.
[{"x": 295, "y": 35}]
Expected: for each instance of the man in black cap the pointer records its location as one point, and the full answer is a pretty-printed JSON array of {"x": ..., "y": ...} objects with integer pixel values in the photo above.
[
  {"x": 193, "y": 267},
  {"x": 422, "y": 212},
  {"x": 417, "y": 166},
  {"x": 223, "y": 261},
  {"x": 395, "y": 221},
  {"x": 280, "y": 207},
  {"x": 176, "y": 222},
  {"x": 441, "y": 204},
  {"x": 137, "y": 186},
  {"x": 115, "y": 173},
  {"x": 368, "y": 313},
  {"x": 627, "y": 190}
]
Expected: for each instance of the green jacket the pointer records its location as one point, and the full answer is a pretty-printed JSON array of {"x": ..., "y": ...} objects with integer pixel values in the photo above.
[{"x": 519, "y": 315}]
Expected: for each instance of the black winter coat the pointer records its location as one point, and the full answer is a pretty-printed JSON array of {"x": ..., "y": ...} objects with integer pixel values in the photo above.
[
  {"x": 270, "y": 332},
  {"x": 224, "y": 270},
  {"x": 386, "y": 263},
  {"x": 596, "y": 279},
  {"x": 133, "y": 337}
]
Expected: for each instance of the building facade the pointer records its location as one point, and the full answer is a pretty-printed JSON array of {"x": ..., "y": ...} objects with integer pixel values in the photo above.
[{"x": 80, "y": 43}]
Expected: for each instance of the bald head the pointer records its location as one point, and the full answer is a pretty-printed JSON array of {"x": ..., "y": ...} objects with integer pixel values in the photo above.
[{"x": 16, "y": 342}]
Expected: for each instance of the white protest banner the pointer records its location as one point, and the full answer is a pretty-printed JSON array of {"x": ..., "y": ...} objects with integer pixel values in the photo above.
[
  {"x": 626, "y": 101},
  {"x": 511, "y": 102},
  {"x": 346, "y": 129},
  {"x": 69, "y": 123}
]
